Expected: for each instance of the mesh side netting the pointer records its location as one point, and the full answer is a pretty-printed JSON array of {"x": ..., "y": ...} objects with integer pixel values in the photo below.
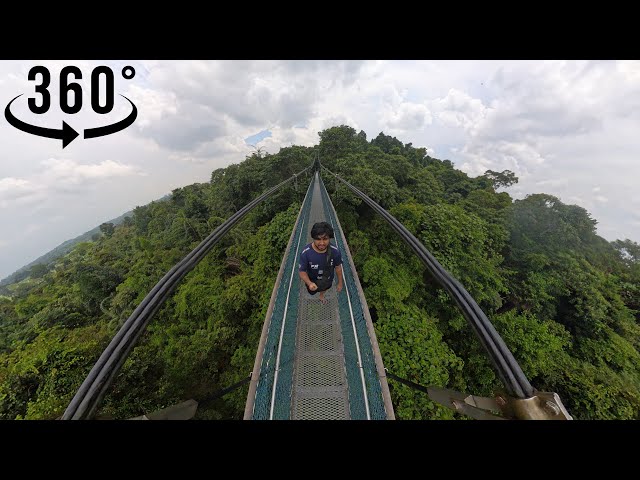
[
  {"x": 372, "y": 381},
  {"x": 282, "y": 404}
]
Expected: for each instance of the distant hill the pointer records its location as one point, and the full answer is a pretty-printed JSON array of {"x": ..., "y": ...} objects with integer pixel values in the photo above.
[{"x": 62, "y": 250}]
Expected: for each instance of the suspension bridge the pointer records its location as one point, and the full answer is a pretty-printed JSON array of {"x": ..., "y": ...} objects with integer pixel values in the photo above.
[{"x": 320, "y": 360}]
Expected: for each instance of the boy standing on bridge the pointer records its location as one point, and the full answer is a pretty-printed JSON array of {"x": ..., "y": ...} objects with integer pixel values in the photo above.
[{"x": 318, "y": 261}]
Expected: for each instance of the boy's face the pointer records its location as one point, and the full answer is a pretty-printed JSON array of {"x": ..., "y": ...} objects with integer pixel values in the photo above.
[{"x": 321, "y": 242}]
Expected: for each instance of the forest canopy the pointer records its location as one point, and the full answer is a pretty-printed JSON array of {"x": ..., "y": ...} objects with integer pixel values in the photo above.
[{"x": 565, "y": 300}]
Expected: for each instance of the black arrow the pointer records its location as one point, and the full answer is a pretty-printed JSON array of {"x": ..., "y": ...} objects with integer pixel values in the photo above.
[
  {"x": 67, "y": 134},
  {"x": 115, "y": 127}
]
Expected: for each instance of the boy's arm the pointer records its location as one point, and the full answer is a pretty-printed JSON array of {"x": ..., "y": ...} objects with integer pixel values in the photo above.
[
  {"x": 339, "y": 275},
  {"x": 304, "y": 276},
  {"x": 307, "y": 281}
]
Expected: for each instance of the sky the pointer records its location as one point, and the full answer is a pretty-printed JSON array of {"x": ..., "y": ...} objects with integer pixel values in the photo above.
[{"x": 566, "y": 128}]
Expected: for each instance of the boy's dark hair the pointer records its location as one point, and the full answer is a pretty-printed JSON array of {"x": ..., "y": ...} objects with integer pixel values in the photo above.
[{"x": 321, "y": 228}]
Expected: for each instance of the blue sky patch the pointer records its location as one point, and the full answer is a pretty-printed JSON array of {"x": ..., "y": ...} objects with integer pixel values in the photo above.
[{"x": 254, "y": 139}]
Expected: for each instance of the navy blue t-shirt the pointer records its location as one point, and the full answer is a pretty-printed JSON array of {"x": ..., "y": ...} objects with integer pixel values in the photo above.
[{"x": 314, "y": 263}]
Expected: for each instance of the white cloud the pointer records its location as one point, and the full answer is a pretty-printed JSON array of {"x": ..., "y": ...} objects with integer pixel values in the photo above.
[
  {"x": 458, "y": 109},
  {"x": 408, "y": 116},
  {"x": 519, "y": 157},
  {"x": 195, "y": 102},
  {"x": 16, "y": 191},
  {"x": 33, "y": 228},
  {"x": 567, "y": 128},
  {"x": 630, "y": 70},
  {"x": 58, "y": 176},
  {"x": 65, "y": 170},
  {"x": 14, "y": 187},
  {"x": 152, "y": 105},
  {"x": 554, "y": 182},
  {"x": 552, "y": 99}
]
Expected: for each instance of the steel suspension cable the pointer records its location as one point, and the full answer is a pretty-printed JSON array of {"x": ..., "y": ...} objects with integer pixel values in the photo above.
[
  {"x": 506, "y": 365},
  {"x": 90, "y": 394}
]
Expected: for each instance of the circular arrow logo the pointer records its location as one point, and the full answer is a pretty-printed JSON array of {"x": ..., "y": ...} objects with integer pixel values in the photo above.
[{"x": 67, "y": 133}]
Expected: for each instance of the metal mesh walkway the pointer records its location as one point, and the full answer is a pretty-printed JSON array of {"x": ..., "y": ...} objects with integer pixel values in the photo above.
[
  {"x": 319, "y": 386},
  {"x": 317, "y": 361}
]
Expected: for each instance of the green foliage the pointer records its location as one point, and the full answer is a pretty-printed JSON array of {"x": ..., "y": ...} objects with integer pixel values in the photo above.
[
  {"x": 589, "y": 302},
  {"x": 386, "y": 285},
  {"x": 506, "y": 178},
  {"x": 543, "y": 224},
  {"x": 457, "y": 184},
  {"x": 413, "y": 348},
  {"x": 594, "y": 392},
  {"x": 382, "y": 190},
  {"x": 51, "y": 257},
  {"x": 29, "y": 306},
  {"x": 38, "y": 270},
  {"x": 107, "y": 229},
  {"x": 629, "y": 251},
  {"x": 424, "y": 187},
  {"x": 612, "y": 351},
  {"x": 95, "y": 282},
  {"x": 389, "y": 145},
  {"x": 336, "y": 142},
  {"x": 536, "y": 345},
  {"x": 38, "y": 380},
  {"x": 462, "y": 244}
]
